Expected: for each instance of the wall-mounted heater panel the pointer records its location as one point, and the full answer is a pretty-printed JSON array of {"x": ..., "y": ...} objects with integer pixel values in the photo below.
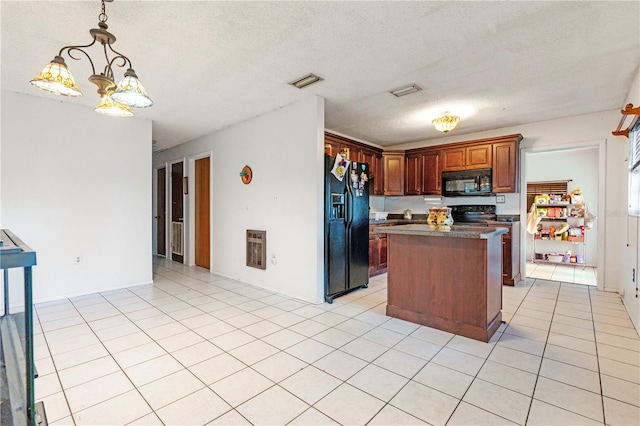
[{"x": 257, "y": 249}]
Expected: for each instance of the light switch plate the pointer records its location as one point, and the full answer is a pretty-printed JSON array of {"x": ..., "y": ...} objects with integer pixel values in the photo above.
[{"x": 499, "y": 198}]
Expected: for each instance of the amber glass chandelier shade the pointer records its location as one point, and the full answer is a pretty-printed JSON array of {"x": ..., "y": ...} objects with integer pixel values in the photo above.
[
  {"x": 446, "y": 122},
  {"x": 108, "y": 106},
  {"x": 131, "y": 92},
  {"x": 56, "y": 78}
]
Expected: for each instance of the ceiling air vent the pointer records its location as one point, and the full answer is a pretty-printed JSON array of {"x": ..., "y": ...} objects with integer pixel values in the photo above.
[
  {"x": 306, "y": 81},
  {"x": 406, "y": 90},
  {"x": 257, "y": 249}
]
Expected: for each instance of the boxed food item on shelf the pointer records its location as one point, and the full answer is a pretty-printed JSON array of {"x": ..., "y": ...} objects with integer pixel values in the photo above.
[{"x": 541, "y": 199}]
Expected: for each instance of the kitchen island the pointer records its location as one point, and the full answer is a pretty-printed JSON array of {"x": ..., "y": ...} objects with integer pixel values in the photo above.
[{"x": 449, "y": 280}]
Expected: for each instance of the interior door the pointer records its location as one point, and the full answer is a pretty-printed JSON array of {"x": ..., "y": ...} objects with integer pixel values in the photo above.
[
  {"x": 161, "y": 212},
  {"x": 177, "y": 212},
  {"x": 202, "y": 238}
]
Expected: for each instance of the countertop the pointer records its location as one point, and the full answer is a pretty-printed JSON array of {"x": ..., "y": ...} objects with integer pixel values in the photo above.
[{"x": 457, "y": 231}]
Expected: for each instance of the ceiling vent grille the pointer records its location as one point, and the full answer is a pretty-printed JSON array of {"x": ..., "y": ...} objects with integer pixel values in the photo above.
[
  {"x": 406, "y": 90},
  {"x": 257, "y": 249},
  {"x": 305, "y": 81}
]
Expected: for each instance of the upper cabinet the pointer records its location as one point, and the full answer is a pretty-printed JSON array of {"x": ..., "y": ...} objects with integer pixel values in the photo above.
[
  {"x": 424, "y": 166},
  {"x": 361, "y": 153},
  {"x": 418, "y": 171},
  {"x": 505, "y": 165},
  {"x": 393, "y": 169},
  {"x": 431, "y": 173},
  {"x": 423, "y": 172},
  {"x": 466, "y": 157}
]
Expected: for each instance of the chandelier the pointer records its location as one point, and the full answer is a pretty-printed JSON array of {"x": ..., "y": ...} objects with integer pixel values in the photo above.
[
  {"x": 115, "y": 100},
  {"x": 446, "y": 122}
]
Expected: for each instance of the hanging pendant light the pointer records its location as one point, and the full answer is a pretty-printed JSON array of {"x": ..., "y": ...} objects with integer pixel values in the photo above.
[
  {"x": 446, "y": 122},
  {"x": 56, "y": 77},
  {"x": 131, "y": 92},
  {"x": 108, "y": 106}
]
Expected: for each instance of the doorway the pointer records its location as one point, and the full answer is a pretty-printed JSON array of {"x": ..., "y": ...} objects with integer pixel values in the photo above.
[
  {"x": 161, "y": 212},
  {"x": 177, "y": 212},
  {"x": 577, "y": 165},
  {"x": 202, "y": 215}
]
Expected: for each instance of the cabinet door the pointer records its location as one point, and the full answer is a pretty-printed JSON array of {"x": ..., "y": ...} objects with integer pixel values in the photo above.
[
  {"x": 393, "y": 173},
  {"x": 507, "y": 272},
  {"x": 378, "y": 177},
  {"x": 382, "y": 253},
  {"x": 413, "y": 174},
  {"x": 367, "y": 156},
  {"x": 431, "y": 173},
  {"x": 453, "y": 159},
  {"x": 478, "y": 156},
  {"x": 373, "y": 254},
  {"x": 505, "y": 167}
]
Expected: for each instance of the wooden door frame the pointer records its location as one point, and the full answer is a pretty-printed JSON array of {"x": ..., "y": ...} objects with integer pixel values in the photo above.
[
  {"x": 154, "y": 212},
  {"x": 190, "y": 244},
  {"x": 601, "y": 146}
]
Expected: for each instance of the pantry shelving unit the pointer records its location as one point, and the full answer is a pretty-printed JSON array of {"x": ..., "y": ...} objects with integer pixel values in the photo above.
[{"x": 577, "y": 238}]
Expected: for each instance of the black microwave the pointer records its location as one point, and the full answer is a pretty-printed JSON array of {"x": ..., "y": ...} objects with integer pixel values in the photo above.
[{"x": 464, "y": 183}]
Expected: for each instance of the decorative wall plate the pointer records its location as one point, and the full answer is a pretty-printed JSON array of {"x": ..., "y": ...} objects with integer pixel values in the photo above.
[{"x": 246, "y": 175}]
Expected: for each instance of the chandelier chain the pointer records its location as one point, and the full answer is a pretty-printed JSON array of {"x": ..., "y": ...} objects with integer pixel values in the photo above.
[{"x": 103, "y": 16}]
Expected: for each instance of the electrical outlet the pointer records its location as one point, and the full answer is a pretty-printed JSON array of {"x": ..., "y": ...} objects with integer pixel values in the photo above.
[
  {"x": 500, "y": 199},
  {"x": 77, "y": 259}
]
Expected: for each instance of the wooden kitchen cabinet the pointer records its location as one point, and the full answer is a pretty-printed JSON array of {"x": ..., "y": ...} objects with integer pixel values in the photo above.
[
  {"x": 467, "y": 157},
  {"x": 478, "y": 156},
  {"x": 423, "y": 175},
  {"x": 377, "y": 252},
  {"x": 453, "y": 159},
  {"x": 413, "y": 174},
  {"x": 505, "y": 166},
  {"x": 393, "y": 167},
  {"x": 431, "y": 173},
  {"x": 359, "y": 152}
]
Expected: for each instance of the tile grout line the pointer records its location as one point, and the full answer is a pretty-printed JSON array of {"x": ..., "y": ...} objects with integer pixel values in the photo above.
[{"x": 535, "y": 385}]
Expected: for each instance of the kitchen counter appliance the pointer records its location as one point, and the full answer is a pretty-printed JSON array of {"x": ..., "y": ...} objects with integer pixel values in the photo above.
[
  {"x": 464, "y": 183},
  {"x": 346, "y": 228}
]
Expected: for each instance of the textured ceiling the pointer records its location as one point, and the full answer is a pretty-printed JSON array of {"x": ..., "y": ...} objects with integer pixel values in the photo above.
[{"x": 208, "y": 64}]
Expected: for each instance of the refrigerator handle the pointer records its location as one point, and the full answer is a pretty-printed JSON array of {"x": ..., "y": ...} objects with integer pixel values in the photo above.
[{"x": 349, "y": 206}]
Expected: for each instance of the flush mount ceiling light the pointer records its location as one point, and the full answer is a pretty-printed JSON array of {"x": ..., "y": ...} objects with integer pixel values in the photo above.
[
  {"x": 406, "y": 90},
  {"x": 114, "y": 100},
  {"x": 446, "y": 122},
  {"x": 306, "y": 81}
]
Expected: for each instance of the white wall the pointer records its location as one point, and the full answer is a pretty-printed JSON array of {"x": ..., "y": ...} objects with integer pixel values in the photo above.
[
  {"x": 628, "y": 244},
  {"x": 77, "y": 184},
  {"x": 580, "y": 165},
  {"x": 285, "y": 150}
]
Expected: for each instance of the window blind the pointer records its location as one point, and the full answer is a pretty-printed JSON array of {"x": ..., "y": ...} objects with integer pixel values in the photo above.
[{"x": 550, "y": 187}]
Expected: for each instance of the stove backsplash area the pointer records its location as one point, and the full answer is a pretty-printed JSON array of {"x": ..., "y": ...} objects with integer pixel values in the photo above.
[{"x": 418, "y": 205}]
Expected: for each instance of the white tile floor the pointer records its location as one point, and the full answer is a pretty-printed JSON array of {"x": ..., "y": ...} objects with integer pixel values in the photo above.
[
  {"x": 562, "y": 272},
  {"x": 197, "y": 349}
]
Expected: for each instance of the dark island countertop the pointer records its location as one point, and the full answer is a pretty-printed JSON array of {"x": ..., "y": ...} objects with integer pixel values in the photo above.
[{"x": 457, "y": 231}]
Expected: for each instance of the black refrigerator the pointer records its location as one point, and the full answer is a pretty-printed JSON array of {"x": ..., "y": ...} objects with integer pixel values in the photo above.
[{"x": 346, "y": 227}]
